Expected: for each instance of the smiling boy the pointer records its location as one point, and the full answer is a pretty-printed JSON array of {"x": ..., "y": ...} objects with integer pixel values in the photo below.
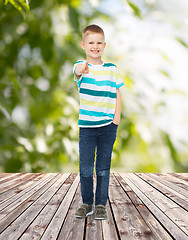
[{"x": 99, "y": 117}]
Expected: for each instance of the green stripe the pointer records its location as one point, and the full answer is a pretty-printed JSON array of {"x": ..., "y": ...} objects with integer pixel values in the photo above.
[
  {"x": 79, "y": 61},
  {"x": 98, "y": 83},
  {"x": 109, "y": 65},
  {"x": 95, "y": 114},
  {"x": 120, "y": 85},
  {"x": 97, "y": 93},
  {"x": 93, "y": 123}
]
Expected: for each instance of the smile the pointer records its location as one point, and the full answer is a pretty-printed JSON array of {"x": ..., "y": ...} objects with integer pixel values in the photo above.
[{"x": 94, "y": 51}]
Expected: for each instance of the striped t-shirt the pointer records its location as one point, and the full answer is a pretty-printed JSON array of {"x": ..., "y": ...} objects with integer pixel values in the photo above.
[{"x": 97, "y": 91}]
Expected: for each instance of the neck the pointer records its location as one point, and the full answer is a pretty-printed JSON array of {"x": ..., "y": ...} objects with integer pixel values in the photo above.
[{"x": 97, "y": 61}]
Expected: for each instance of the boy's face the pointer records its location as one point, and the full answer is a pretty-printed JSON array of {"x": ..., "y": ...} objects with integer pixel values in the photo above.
[{"x": 93, "y": 45}]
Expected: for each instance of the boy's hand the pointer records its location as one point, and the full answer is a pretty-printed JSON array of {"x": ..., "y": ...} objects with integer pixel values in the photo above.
[
  {"x": 82, "y": 68},
  {"x": 116, "y": 121}
]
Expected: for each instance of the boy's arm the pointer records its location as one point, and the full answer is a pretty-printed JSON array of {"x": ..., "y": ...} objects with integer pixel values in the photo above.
[
  {"x": 81, "y": 68},
  {"x": 117, "y": 114}
]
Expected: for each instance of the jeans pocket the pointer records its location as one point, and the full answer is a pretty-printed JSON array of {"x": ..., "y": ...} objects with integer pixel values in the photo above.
[{"x": 115, "y": 124}]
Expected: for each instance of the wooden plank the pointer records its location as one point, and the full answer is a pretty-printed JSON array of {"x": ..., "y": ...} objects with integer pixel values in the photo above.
[
  {"x": 180, "y": 199},
  {"x": 73, "y": 228},
  {"x": 108, "y": 226},
  {"x": 19, "y": 187},
  {"x": 180, "y": 185},
  {"x": 17, "y": 228},
  {"x": 9, "y": 215},
  {"x": 4, "y": 175},
  {"x": 7, "y": 176},
  {"x": 149, "y": 197},
  {"x": 93, "y": 229},
  {"x": 141, "y": 206},
  {"x": 16, "y": 200},
  {"x": 157, "y": 231},
  {"x": 169, "y": 207},
  {"x": 129, "y": 223},
  {"x": 39, "y": 225},
  {"x": 178, "y": 180},
  {"x": 171, "y": 184},
  {"x": 183, "y": 176},
  {"x": 11, "y": 182},
  {"x": 58, "y": 219}
]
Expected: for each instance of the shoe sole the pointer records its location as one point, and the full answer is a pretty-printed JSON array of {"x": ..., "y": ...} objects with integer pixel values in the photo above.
[
  {"x": 100, "y": 218},
  {"x": 89, "y": 213}
]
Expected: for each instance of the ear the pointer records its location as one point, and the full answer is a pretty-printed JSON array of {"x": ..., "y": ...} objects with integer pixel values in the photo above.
[
  {"x": 104, "y": 44},
  {"x": 82, "y": 45}
]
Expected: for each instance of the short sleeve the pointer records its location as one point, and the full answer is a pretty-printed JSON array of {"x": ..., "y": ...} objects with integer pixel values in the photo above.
[
  {"x": 119, "y": 81},
  {"x": 74, "y": 75}
]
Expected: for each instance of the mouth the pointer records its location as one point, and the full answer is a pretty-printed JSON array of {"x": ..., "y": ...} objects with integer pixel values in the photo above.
[{"x": 95, "y": 51}]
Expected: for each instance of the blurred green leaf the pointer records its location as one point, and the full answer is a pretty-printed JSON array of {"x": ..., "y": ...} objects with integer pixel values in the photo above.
[
  {"x": 74, "y": 19},
  {"x": 165, "y": 73},
  {"x": 74, "y": 3},
  {"x": 173, "y": 152},
  {"x": 5, "y": 112},
  {"x": 182, "y": 42},
  {"x": 128, "y": 81},
  {"x": 135, "y": 9},
  {"x": 6, "y": 1},
  {"x": 20, "y": 5}
]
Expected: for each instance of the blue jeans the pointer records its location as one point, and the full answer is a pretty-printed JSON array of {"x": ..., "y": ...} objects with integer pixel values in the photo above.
[{"x": 102, "y": 139}]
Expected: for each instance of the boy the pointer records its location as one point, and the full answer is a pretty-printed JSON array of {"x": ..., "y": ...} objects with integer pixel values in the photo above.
[{"x": 99, "y": 116}]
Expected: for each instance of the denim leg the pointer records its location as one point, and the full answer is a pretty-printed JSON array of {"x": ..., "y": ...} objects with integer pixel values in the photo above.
[
  {"x": 87, "y": 144},
  {"x": 103, "y": 162}
]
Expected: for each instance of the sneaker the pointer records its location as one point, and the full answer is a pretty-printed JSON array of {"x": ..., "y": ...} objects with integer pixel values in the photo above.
[
  {"x": 83, "y": 211},
  {"x": 100, "y": 212}
]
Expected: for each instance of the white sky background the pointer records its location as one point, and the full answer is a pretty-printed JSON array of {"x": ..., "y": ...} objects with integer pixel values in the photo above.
[{"x": 144, "y": 48}]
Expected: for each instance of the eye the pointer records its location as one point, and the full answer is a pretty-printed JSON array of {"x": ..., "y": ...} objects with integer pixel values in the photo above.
[
  {"x": 90, "y": 42},
  {"x": 99, "y": 42}
]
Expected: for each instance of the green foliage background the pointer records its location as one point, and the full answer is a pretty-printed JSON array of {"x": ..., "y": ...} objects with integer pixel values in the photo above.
[{"x": 39, "y": 102}]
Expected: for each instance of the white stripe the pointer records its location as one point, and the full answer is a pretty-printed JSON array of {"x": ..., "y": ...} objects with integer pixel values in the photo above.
[
  {"x": 92, "y": 118},
  {"x": 101, "y": 77},
  {"x": 101, "y": 68},
  {"x": 118, "y": 81},
  {"x": 98, "y": 99},
  {"x": 88, "y": 75},
  {"x": 97, "y": 109},
  {"x": 98, "y": 88}
]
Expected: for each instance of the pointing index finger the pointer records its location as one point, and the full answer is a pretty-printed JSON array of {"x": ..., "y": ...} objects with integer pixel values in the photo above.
[{"x": 86, "y": 66}]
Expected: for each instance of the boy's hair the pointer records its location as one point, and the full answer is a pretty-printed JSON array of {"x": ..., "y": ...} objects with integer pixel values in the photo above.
[{"x": 92, "y": 29}]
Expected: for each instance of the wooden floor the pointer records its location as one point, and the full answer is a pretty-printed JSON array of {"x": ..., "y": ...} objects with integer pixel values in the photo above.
[{"x": 140, "y": 206}]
